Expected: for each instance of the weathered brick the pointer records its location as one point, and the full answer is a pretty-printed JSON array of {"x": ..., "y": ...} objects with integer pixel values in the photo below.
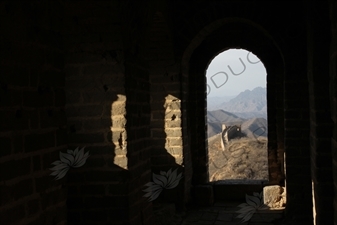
[
  {"x": 97, "y": 124},
  {"x": 117, "y": 189},
  {"x": 36, "y": 161},
  {"x": 75, "y": 125},
  {"x": 84, "y": 111},
  {"x": 34, "y": 119},
  {"x": 95, "y": 162},
  {"x": 100, "y": 96},
  {"x": 172, "y": 114},
  {"x": 13, "y": 214},
  {"x": 159, "y": 160},
  {"x": 60, "y": 97},
  {"x": 50, "y": 157},
  {"x": 18, "y": 143},
  {"x": 10, "y": 98},
  {"x": 51, "y": 198},
  {"x": 119, "y": 213},
  {"x": 106, "y": 176},
  {"x": 52, "y": 78},
  {"x": 106, "y": 71},
  {"x": 173, "y": 132},
  {"x": 118, "y": 121},
  {"x": 22, "y": 189},
  {"x": 323, "y": 175},
  {"x": 41, "y": 97},
  {"x": 77, "y": 58},
  {"x": 15, "y": 168},
  {"x": 13, "y": 120},
  {"x": 6, "y": 146},
  {"x": 174, "y": 141},
  {"x": 73, "y": 96},
  {"x": 176, "y": 150},
  {"x": 52, "y": 118},
  {"x": 101, "y": 150},
  {"x": 6, "y": 194},
  {"x": 34, "y": 142},
  {"x": 61, "y": 137},
  {"x": 15, "y": 76},
  {"x": 121, "y": 161},
  {"x": 94, "y": 216},
  {"x": 173, "y": 124},
  {"x": 86, "y": 138},
  {"x": 158, "y": 133},
  {"x": 72, "y": 72},
  {"x": 74, "y": 217},
  {"x": 118, "y": 108},
  {"x": 44, "y": 183},
  {"x": 105, "y": 202},
  {"x": 92, "y": 190},
  {"x": 158, "y": 115}
]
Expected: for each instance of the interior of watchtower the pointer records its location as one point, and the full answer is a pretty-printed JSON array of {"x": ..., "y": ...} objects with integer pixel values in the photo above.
[{"x": 104, "y": 117}]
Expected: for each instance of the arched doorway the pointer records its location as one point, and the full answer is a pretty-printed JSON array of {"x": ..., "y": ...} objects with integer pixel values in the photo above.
[
  {"x": 237, "y": 125},
  {"x": 218, "y": 37}
]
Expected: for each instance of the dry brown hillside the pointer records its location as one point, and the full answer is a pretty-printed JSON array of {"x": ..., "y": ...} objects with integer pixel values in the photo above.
[{"x": 243, "y": 159}]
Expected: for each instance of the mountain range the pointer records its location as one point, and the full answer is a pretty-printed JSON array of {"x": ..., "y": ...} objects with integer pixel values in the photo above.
[
  {"x": 249, "y": 109},
  {"x": 247, "y": 104}
]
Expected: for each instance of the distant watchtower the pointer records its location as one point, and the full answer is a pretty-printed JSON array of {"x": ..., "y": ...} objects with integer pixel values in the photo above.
[{"x": 228, "y": 133}]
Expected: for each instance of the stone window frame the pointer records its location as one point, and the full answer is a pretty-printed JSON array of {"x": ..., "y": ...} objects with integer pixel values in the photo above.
[{"x": 197, "y": 57}]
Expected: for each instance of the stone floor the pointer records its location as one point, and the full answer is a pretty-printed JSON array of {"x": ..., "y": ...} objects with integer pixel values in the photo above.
[{"x": 225, "y": 213}]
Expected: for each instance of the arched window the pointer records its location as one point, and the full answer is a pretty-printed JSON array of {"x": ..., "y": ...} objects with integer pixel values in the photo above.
[{"x": 237, "y": 118}]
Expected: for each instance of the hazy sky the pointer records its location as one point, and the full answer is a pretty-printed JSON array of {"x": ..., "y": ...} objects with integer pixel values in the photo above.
[{"x": 254, "y": 75}]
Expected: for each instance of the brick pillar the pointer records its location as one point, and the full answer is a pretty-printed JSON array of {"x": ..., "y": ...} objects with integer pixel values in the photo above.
[
  {"x": 108, "y": 113},
  {"x": 320, "y": 118},
  {"x": 296, "y": 139},
  {"x": 32, "y": 117},
  {"x": 333, "y": 96},
  {"x": 138, "y": 141},
  {"x": 275, "y": 99},
  {"x": 168, "y": 124}
]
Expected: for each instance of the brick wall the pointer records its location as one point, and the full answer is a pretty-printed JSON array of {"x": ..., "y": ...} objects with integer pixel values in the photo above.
[
  {"x": 292, "y": 93},
  {"x": 138, "y": 141},
  {"x": 113, "y": 70},
  {"x": 204, "y": 28},
  {"x": 108, "y": 111},
  {"x": 95, "y": 107},
  {"x": 275, "y": 110},
  {"x": 167, "y": 150},
  {"x": 320, "y": 118},
  {"x": 297, "y": 129},
  {"x": 333, "y": 96},
  {"x": 32, "y": 116}
]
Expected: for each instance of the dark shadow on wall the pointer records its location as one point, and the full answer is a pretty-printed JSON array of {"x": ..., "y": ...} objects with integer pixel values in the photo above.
[
  {"x": 110, "y": 186},
  {"x": 97, "y": 191},
  {"x": 166, "y": 148}
]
